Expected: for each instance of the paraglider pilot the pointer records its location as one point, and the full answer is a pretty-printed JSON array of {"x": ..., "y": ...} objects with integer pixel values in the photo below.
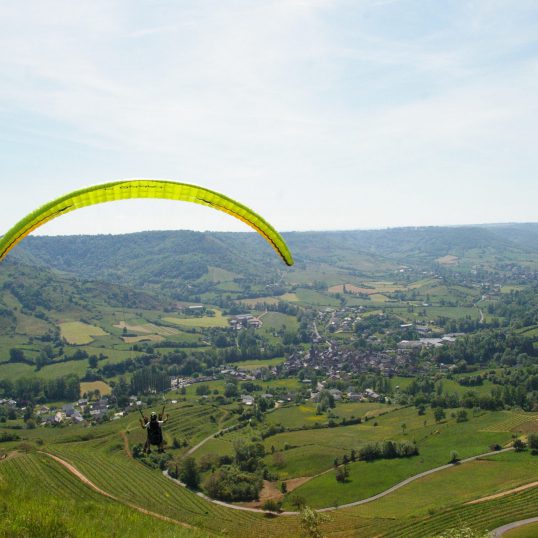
[{"x": 155, "y": 432}]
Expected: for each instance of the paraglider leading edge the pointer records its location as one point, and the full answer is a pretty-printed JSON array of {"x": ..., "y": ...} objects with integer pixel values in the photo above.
[{"x": 143, "y": 188}]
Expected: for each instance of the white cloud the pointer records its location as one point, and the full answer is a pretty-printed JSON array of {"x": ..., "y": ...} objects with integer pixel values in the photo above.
[{"x": 314, "y": 113}]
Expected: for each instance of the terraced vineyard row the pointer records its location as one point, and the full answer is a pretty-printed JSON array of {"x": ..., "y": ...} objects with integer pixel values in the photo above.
[
  {"x": 512, "y": 422},
  {"x": 185, "y": 422},
  {"x": 106, "y": 466},
  {"x": 39, "y": 471},
  {"x": 42, "y": 498},
  {"x": 484, "y": 516}
]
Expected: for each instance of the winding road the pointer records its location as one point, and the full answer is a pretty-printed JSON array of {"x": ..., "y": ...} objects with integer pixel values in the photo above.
[
  {"x": 500, "y": 531},
  {"x": 355, "y": 503}
]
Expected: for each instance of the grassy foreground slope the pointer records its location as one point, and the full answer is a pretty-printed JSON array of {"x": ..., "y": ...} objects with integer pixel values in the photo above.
[{"x": 41, "y": 498}]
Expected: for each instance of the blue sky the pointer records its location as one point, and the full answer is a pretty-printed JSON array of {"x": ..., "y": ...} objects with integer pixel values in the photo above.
[{"x": 318, "y": 114}]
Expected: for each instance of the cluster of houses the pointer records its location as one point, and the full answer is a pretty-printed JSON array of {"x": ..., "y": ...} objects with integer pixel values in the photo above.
[
  {"x": 368, "y": 395},
  {"x": 447, "y": 339},
  {"x": 74, "y": 413},
  {"x": 335, "y": 361},
  {"x": 244, "y": 321},
  {"x": 339, "y": 320},
  {"x": 8, "y": 402}
]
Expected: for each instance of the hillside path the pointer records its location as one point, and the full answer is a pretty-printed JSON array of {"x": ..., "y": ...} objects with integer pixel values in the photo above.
[
  {"x": 500, "y": 531},
  {"x": 504, "y": 493},
  {"x": 83, "y": 478}
]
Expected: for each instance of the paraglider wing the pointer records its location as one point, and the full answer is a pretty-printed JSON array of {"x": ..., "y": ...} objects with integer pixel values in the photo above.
[{"x": 143, "y": 188}]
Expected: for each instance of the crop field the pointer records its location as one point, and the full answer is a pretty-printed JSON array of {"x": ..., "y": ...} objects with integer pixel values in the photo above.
[
  {"x": 251, "y": 303},
  {"x": 273, "y": 321},
  {"x": 146, "y": 338},
  {"x": 217, "y": 274},
  {"x": 259, "y": 363},
  {"x": 452, "y": 386},
  {"x": 147, "y": 328},
  {"x": 433, "y": 503},
  {"x": 305, "y": 415},
  {"x": 103, "y": 388},
  {"x": 78, "y": 333},
  {"x": 218, "y": 320},
  {"x": 484, "y": 516},
  {"x": 13, "y": 371},
  {"x": 449, "y": 259},
  {"x": 512, "y": 421}
]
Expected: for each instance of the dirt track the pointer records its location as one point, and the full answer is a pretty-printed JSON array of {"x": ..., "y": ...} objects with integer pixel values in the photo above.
[
  {"x": 72, "y": 469},
  {"x": 504, "y": 493}
]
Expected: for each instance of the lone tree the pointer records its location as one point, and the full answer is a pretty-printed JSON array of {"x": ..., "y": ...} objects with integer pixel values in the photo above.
[
  {"x": 311, "y": 522},
  {"x": 439, "y": 414}
]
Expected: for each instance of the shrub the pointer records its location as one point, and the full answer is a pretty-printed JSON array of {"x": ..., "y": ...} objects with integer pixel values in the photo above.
[
  {"x": 519, "y": 445},
  {"x": 342, "y": 474},
  {"x": 231, "y": 484},
  {"x": 272, "y": 506}
]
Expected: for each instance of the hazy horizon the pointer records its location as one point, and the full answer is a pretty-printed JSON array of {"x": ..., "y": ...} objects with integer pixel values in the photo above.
[{"x": 249, "y": 230}]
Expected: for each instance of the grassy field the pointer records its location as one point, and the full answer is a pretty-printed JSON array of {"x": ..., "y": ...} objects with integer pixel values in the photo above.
[
  {"x": 434, "y": 441},
  {"x": 315, "y": 298},
  {"x": 457, "y": 485}
]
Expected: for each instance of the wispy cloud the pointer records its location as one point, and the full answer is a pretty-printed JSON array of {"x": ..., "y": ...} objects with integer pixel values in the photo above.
[{"x": 320, "y": 114}]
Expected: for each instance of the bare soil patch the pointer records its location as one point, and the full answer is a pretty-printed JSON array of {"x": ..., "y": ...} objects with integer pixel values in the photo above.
[
  {"x": 294, "y": 483},
  {"x": 269, "y": 491},
  {"x": 449, "y": 259}
]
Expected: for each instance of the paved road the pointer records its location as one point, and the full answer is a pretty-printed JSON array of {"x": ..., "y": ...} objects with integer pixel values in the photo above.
[
  {"x": 362, "y": 501},
  {"x": 505, "y": 528},
  {"x": 204, "y": 441}
]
